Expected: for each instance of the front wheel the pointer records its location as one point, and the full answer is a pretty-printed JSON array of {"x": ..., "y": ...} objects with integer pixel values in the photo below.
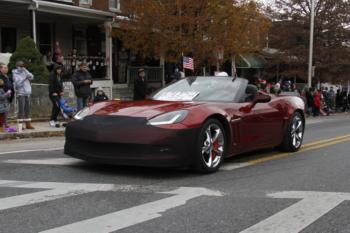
[
  {"x": 294, "y": 135},
  {"x": 210, "y": 147}
]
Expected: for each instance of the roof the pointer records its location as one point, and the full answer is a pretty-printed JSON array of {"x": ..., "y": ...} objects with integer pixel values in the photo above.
[
  {"x": 252, "y": 61},
  {"x": 64, "y": 9}
]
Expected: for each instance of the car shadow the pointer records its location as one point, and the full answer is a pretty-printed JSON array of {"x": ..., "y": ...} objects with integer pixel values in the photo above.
[
  {"x": 163, "y": 173},
  {"x": 134, "y": 171}
]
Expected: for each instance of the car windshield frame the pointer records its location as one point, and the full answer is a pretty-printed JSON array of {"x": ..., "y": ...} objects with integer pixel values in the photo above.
[{"x": 203, "y": 89}]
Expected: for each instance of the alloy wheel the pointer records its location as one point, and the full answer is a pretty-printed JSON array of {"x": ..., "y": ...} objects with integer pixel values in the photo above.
[
  {"x": 297, "y": 131},
  {"x": 213, "y": 146}
]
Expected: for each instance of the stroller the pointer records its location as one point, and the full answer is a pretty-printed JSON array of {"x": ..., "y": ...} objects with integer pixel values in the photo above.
[{"x": 66, "y": 110}]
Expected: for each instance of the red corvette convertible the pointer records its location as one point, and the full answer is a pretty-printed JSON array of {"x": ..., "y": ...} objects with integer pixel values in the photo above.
[{"x": 196, "y": 122}]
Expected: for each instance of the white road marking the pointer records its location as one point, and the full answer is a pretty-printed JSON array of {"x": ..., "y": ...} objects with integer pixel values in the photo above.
[
  {"x": 28, "y": 151},
  {"x": 134, "y": 215},
  {"x": 109, "y": 222},
  {"x": 59, "y": 161},
  {"x": 233, "y": 166},
  {"x": 57, "y": 190},
  {"x": 300, "y": 215}
]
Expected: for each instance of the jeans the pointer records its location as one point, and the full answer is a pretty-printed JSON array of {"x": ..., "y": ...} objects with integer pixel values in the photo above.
[
  {"x": 23, "y": 108},
  {"x": 82, "y": 102},
  {"x": 2, "y": 120},
  {"x": 55, "y": 109},
  {"x": 5, "y": 118}
]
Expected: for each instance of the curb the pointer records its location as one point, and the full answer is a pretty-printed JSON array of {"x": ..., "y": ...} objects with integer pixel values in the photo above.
[{"x": 43, "y": 134}]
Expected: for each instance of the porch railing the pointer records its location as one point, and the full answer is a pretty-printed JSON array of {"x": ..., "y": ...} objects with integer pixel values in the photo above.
[
  {"x": 96, "y": 64},
  {"x": 153, "y": 74}
]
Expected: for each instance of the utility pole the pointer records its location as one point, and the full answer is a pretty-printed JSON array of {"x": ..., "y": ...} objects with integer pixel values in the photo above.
[{"x": 312, "y": 26}]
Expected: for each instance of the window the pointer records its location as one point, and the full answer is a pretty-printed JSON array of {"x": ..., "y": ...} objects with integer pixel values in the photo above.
[
  {"x": 204, "y": 89},
  {"x": 45, "y": 37},
  {"x": 65, "y": 1},
  {"x": 114, "y": 4},
  {"x": 8, "y": 40},
  {"x": 85, "y": 2}
]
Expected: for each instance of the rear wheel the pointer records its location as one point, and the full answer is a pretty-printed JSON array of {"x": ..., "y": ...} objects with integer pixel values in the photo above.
[
  {"x": 210, "y": 147},
  {"x": 294, "y": 135}
]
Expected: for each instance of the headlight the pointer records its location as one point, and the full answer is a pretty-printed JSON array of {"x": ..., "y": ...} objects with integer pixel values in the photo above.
[
  {"x": 169, "y": 118},
  {"x": 82, "y": 113}
]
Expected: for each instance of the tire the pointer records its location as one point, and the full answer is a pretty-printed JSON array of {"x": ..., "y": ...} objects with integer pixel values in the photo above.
[
  {"x": 294, "y": 135},
  {"x": 210, "y": 147}
]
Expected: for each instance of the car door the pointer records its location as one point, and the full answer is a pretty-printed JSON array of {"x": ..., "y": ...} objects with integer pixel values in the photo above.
[
  {"x": 260, "y": 127},
  {"x": 270, "y": 119}
]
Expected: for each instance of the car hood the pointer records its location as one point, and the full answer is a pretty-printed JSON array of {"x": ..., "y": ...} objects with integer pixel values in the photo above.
[{"x": 147, "y": 109}]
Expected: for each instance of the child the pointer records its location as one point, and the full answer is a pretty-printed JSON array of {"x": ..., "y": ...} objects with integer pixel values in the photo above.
[
  {"x": 100, "y": 96},
  {"x": 4, "y": 105}
]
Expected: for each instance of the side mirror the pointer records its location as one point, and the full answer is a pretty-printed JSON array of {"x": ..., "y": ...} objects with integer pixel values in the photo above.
[{"x": 259, "y": 98}]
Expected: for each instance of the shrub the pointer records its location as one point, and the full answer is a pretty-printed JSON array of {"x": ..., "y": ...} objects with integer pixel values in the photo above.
[{"x": 27, "y": 52}]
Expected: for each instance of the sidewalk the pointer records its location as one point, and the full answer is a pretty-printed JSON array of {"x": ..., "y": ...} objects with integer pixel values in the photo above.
[{"x": 42, "y": 130}]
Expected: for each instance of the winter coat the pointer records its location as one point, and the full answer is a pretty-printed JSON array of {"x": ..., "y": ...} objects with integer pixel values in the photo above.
[
  {"x": 8, "y": 85},
  {"x": 55, "y": 84},
  {"x": 65, "y": 74},
  {"x": 309, "y": 99},
  {"x": 22, "y": 78},
  {"x": 317, "y": 99},
  {"x": 82, "y": 89},
  {"x": 4, "y": 104},
  {"x": 140, "y": 89}
]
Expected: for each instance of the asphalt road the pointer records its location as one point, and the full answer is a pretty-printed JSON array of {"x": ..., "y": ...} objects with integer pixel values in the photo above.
[{"x": 41, "y": 190}]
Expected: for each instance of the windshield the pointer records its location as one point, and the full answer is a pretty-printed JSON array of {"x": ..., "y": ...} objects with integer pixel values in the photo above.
[{"x": 208, "y": 89}]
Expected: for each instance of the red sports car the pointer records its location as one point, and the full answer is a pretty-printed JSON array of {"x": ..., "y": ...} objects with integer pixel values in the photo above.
[{"x": 196, "y": 122}]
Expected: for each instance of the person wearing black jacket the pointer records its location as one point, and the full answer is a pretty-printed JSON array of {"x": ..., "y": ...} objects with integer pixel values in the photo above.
[
  {"x": 140, "y": 86},
  {"x": 8, "y": 86},
  {"x": 82, "y": 81},
  {"x": 65, "y": 74},
  {"x": 55, "y": 92},
  {"x": 100, "y": 96}
]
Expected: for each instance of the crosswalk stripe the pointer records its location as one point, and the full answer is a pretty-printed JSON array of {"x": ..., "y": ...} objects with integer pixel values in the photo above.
[
  {"x": 134, "y": 215},
  {"x": 58, "y": 161},
  {"x": 28, "y": 151}
]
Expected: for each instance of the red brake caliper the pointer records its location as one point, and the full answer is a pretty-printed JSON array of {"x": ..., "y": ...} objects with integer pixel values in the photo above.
[{"x": 216, "y": 148}]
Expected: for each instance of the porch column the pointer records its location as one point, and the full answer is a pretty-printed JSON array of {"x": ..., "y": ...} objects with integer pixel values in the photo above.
[
  {"x": 34, "y": 25},
  {"x": 32, "y": 10},
  {"x": 109, "y": 54},
  {"x": 162, "y": 64}
]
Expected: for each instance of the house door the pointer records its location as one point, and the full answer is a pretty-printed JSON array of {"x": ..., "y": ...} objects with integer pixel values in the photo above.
[{"x": 120, "y": 64}]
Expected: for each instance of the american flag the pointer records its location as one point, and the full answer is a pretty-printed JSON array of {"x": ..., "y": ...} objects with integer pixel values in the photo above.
[{"x": 188, "y": 63}]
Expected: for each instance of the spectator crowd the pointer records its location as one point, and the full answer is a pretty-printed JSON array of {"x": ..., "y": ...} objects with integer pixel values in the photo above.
[{"x": 319, "y": 101}]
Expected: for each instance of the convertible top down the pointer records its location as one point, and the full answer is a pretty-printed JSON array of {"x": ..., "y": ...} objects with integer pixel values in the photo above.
[{"x": 196, "y": 122}]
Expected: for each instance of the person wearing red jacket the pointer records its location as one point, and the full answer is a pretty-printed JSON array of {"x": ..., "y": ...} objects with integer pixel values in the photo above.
[{"x": 317, "y": 103}]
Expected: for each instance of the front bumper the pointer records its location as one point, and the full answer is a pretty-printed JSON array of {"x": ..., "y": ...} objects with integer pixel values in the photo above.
[{"x": 129, "y": 141}]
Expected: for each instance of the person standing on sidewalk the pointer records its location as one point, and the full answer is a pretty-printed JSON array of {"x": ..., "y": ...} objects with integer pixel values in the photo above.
[
  {"x": 55, "y": 93},
  {"x": 82, "y": 81},
  {"x": 4, "y": 105},
  {"x": 317, "y": 102},
  {"x": 331, "y": 95},
  {"x": 22, "y": 79},
  {"x": 8, "y": 85},
  {"x": 140, "y": 86}
]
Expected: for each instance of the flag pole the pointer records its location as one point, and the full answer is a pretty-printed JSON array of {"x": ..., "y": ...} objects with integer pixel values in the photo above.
[
  {"x": 312, "y": 25},
  {"x": 183, "y": 67}
]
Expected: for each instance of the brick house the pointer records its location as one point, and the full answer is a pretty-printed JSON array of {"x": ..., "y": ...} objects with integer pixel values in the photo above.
[{"x": 81, "y": 24}]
